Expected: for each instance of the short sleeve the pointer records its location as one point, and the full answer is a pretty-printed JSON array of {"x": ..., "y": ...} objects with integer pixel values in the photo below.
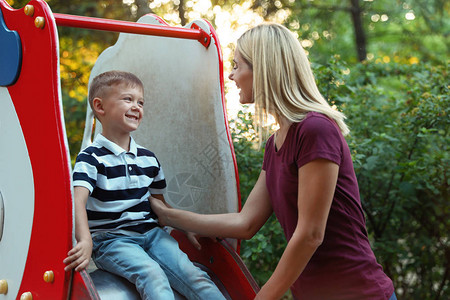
[
  {"x": 85, "y": 171},
  {"x": 318, "y": 137},
  {"x": 158, "y": 186}
]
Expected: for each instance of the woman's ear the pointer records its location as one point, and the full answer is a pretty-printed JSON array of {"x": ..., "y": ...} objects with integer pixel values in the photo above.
[{"x": 97, "y": 106}]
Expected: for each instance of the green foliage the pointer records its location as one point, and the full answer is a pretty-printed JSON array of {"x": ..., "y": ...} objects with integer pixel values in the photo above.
[
  {"x": 398, "y": 115},
  {"x": 75, "y": 70},
  {"x": 262, "y": 252},
  {"x": 404, "y": 28},
  {"x": 400, "y": 139},
  {"x": 249, "y": 157}
]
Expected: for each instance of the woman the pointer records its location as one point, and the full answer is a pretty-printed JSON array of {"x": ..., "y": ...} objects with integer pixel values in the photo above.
[{"x": 307, "y": 180}]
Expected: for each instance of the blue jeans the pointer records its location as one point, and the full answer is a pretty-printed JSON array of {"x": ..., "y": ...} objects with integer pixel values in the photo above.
[
  {"x": 154, "y": 263},
  {"x": 393, "y": 297}
]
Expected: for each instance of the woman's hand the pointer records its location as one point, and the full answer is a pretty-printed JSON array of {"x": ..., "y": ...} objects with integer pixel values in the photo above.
[
  {"x": 159, "y": 207},
  {"x": 238, "y": 225},
  {"x": 193, "y": 238}
]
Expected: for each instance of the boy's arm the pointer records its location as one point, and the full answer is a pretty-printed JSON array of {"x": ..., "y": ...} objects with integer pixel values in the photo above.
[
  {"x": 79, "y": 256},
  {"x": 192, "y": 237}
]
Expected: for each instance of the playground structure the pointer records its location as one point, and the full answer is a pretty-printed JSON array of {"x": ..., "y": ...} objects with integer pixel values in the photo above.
[{"x": 185, "y": 124}]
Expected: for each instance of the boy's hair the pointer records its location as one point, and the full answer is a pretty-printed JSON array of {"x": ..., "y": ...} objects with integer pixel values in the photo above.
[{"x": 102, "y": 82}]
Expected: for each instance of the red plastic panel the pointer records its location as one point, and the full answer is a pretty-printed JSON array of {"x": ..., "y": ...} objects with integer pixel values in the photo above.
[
  {"x": 36, "y": 99},
  {"x": 224, "y": 263},
  {"x": 83, "y": 287}
]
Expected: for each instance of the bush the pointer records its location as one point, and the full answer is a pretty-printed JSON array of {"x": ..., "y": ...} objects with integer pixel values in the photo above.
[
  {"x": 262, "y": 252},
  {"x": 399, "y": 120},
  {"x": 398, "y": 116}
]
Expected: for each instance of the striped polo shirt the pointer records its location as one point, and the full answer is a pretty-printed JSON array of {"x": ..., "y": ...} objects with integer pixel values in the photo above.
[{"x": 119, "y": 183}]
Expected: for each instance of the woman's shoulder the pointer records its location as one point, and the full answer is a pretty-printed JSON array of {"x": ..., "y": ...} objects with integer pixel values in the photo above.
[
  {"x": 317, "y": 123},
  {"x": 316, "y": 117}
]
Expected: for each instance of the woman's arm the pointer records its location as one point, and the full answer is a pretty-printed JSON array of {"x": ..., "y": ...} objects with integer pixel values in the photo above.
[
  {"x": 191, "y": 236},
  {"x": 241, "y": 225},
  {"x": 161, "y": 197},
  {"x": 316, "y": 186}
]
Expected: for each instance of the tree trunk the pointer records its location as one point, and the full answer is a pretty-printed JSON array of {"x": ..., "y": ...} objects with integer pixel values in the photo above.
[
  {"x": 143, "y": 8},
  {"x": 360, "y": 37},
  {"x": 181, "y": 12}
]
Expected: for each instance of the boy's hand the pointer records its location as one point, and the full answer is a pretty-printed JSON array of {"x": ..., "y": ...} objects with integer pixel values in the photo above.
[{"x": 79, "y": 256}]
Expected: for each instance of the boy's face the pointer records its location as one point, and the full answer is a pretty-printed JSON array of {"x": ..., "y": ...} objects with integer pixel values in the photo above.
[{"x": 122, "y": 108}]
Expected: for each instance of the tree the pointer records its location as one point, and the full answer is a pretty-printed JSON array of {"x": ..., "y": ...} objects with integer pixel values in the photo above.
[{"x": 403, "y": 28}]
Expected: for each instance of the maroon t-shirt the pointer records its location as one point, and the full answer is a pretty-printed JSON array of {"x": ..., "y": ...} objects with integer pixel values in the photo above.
[{"x": 344, "y": 266}]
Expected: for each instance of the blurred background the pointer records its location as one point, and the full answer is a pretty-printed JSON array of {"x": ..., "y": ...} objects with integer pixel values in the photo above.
[{"x": 384, "y": 63}]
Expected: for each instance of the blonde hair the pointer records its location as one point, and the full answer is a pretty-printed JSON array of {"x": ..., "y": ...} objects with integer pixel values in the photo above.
[{"x": 283, "y": 82}]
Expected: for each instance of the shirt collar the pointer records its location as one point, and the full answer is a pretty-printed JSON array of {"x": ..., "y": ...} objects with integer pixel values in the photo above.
[{"x": 113, "y": 147}]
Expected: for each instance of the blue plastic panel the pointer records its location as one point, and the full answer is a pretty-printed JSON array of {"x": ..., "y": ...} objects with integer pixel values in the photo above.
[{"x": 10, "y": 54}]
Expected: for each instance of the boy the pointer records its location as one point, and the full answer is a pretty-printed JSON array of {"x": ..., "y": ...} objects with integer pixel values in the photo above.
[{"x": 113, "y": 179}]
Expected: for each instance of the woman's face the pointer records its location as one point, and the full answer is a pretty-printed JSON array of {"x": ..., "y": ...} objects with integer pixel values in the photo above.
[{"x": 242, "y": 75}]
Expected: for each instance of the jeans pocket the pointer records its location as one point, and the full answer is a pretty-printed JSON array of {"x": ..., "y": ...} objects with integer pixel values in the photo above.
[
  {"x": 98, "y": 241},
  {"x": 99, "y": 245}
]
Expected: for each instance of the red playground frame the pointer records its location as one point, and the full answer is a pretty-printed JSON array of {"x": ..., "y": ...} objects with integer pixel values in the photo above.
[{"x": 36, "y": 205}]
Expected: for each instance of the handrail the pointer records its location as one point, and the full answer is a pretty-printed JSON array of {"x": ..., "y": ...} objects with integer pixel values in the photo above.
[{"x": 195, "y": 33}]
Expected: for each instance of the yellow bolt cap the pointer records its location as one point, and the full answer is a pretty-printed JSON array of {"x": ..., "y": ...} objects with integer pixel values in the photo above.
[
  {"x": 39, "y": 22},
  {"x": 29, "y": 10},
  {"x": 26, "y": 296},
  {"x": 49, "y": 276},
  {"x": 3, "y": 287}
]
